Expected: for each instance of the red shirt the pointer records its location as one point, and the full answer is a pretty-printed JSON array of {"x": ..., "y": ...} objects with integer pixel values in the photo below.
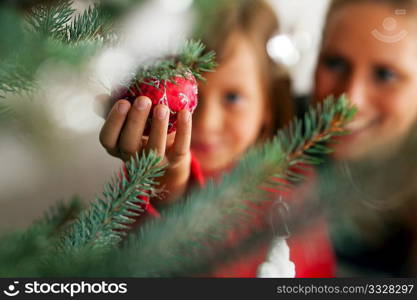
[{"x": 310, "y": 250}]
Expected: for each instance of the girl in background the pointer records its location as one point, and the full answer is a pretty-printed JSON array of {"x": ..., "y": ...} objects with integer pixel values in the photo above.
[{"x": 242, "y": 104}]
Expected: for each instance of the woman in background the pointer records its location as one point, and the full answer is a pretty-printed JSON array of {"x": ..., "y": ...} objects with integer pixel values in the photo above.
[{"x": 369, "y": 52}]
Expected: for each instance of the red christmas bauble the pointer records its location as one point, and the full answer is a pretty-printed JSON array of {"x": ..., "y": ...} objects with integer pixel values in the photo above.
[{"x": 178, "y": 93}]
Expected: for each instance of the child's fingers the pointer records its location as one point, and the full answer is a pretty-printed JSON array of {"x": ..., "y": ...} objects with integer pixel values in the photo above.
[
  {"x": 170, "y": 140},
  {"x": 131, "y": 136},
  {"x": 181, "y": 146},
  {"x": 110, "y": 132},
  {"x": 158, "y": 137}
]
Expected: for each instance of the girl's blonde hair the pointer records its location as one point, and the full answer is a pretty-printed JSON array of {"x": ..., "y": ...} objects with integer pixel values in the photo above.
[{"x": 258, "y": 22}]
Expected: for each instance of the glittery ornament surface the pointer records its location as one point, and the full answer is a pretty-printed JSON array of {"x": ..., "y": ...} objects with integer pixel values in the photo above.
[{"x": 178, "y": 93}]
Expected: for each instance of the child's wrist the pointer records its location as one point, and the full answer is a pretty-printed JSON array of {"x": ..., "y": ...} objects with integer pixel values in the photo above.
[
  {"x": 177, "y": 178},
  {"x": 174, "y": 182}
]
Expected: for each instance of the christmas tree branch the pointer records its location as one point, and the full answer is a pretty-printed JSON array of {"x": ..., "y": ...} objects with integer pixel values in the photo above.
[
  {"x": 192, "y": 57},
  {"x": 92, "y": 24},
  {"x": 50, "y": 20},
  {"x": 59, "y": 21},
  {"x": 18, "y": 72},
  {"x": 59, "y": 216},
  {"x": 5, "y": 112},
  {"x": 303, "y": 142},
  {"x": 14, "y": 77},
  {"x": 189, "y": 59},
  {"x": 106, "y": 221},
  {"x": 26, "y": 252},
  {"x": 21, "y": 252},
  {"x": 26, "y": 51}
]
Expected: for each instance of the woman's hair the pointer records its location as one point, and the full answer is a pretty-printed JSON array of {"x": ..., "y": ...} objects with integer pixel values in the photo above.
[
  {"x": 397, "y": 4},
  {"x": 257, "y": 21}
]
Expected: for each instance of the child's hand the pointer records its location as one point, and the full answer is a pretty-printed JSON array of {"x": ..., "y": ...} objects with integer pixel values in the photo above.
[{"x": 122, "y": 136}]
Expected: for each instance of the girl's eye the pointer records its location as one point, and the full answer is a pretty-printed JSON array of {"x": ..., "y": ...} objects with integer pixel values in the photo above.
[
  {"x": 383, "y": 74},
  {"x": 232, "y": 97},
  {"x": 336, "y": 64}
]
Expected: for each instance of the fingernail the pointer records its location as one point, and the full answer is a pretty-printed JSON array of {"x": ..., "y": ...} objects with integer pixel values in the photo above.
[
  {"x": 123, "y": 108},
  {"x": 161, "y": 112},
  {"x": 142, "y": 104},
  {"x": 186, "y": 116}
]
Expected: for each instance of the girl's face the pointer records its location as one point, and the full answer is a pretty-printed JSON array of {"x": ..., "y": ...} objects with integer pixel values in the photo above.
[
  {"x": 373, "y": 59},
  {"x": 231, "y": 111}
]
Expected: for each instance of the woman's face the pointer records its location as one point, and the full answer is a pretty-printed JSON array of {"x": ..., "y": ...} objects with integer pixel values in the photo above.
[
  {"x": 370, "y": 54},
  {"x": 231, "y": 111}
]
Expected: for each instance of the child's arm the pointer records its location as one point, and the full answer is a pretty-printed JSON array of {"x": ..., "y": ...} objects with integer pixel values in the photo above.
[{"x": 122, "y": 136}]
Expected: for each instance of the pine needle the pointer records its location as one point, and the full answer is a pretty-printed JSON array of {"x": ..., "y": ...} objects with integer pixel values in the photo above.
[
  {"x": 50, "y": 20},
  {"x": 92, "y": 24},
  {"x": 100, "y": 226},
  {"x": 191, "y": 58}
]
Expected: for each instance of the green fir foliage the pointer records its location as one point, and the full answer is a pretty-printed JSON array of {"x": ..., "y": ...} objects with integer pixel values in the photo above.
[
  {"x": 190, "y": 59},
  {"x": 50, "y": 20},
  {"x": 46, "y": 33},
  {"x": 107, "y": 220}
]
